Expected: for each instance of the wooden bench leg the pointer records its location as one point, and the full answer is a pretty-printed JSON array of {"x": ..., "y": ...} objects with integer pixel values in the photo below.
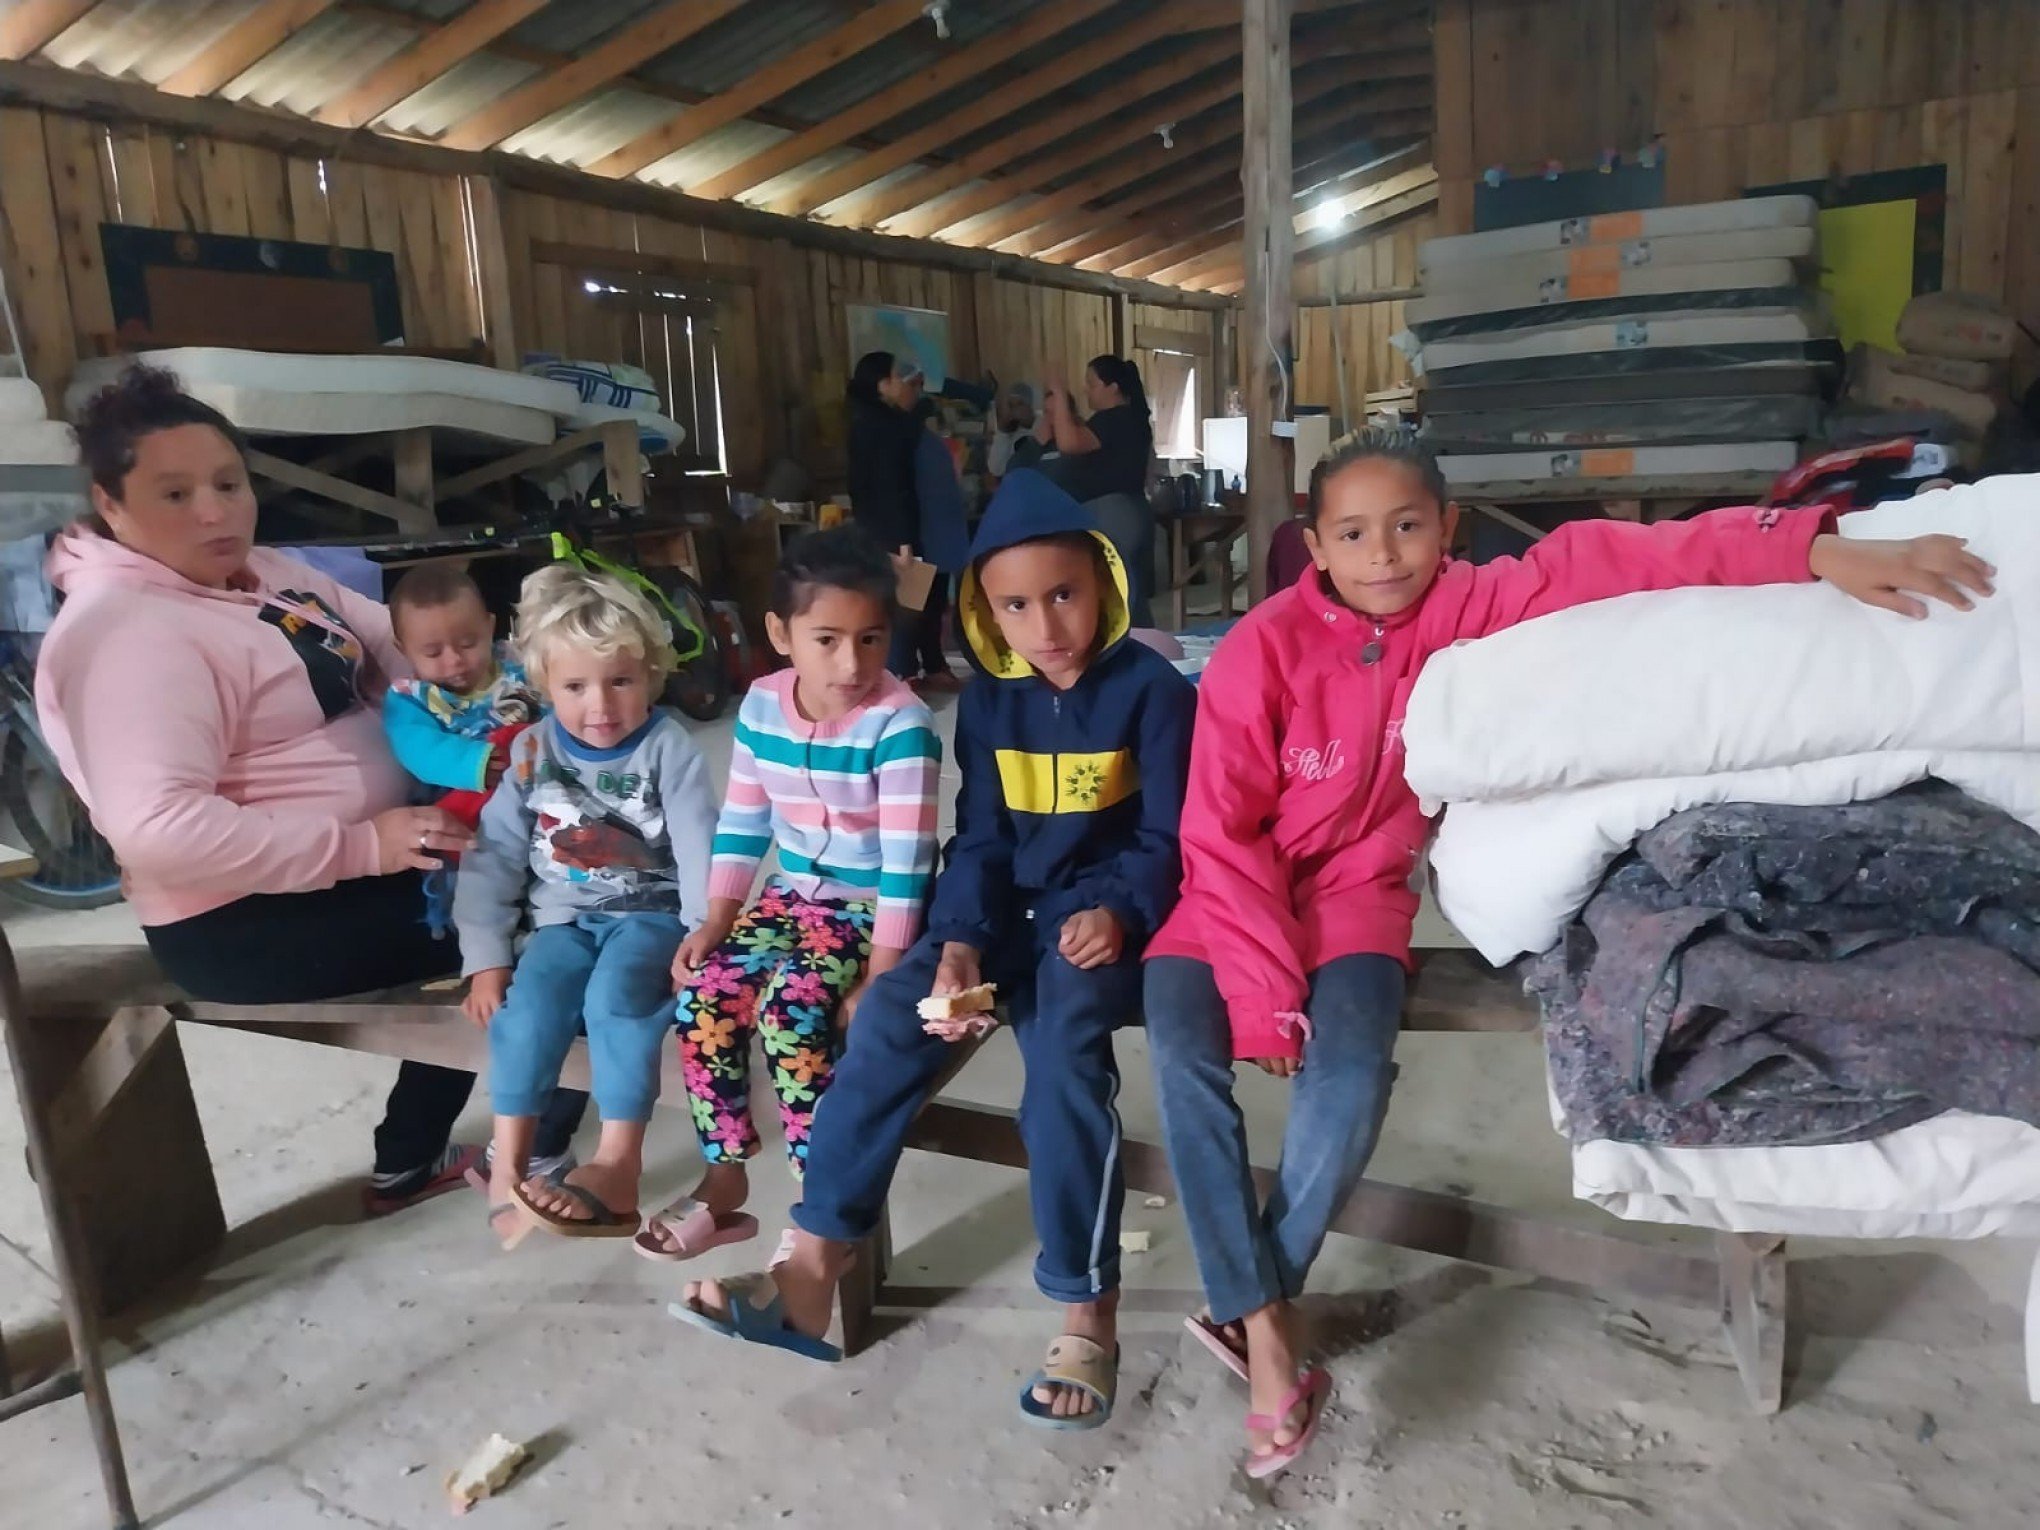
[
  {"x": 1753, "y": 1276},
  {"x": 859, "y": 1290},
  {"x": 127, "y": 1150}
]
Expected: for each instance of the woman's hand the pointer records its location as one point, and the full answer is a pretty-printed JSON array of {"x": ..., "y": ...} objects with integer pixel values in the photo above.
[
  {"x": 1891, "y": 574},
  {"x": 418, "y": 839},
  {"x": 486, "y": 991},
  {"x": 960, "y": 970},
  {"x": 1093, "y": 938}
]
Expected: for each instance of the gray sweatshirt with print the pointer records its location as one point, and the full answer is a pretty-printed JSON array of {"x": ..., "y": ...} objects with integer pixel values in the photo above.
[{"x": 572, "y": 830}]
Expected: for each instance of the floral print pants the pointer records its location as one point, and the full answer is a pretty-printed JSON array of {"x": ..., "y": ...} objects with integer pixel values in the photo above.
[{"x": 786, "y": 967}]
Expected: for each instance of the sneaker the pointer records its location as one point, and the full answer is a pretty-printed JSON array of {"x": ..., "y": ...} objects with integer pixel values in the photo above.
[{"x": 386, "y": 1193}]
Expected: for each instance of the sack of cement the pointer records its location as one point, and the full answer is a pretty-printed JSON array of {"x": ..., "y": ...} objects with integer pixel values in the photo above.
[{"x": 1957, "y": 324}]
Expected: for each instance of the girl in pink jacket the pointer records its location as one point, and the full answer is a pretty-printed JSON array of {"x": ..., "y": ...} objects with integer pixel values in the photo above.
[{"x": 1292, "y": 940}]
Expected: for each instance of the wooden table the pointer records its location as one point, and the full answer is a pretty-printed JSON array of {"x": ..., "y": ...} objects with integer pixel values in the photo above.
[{"x": 1200, "y": 545}]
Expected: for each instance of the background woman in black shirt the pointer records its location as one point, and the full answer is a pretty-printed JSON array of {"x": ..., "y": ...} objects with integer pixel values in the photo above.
[{"x": 1103, "y": 462}]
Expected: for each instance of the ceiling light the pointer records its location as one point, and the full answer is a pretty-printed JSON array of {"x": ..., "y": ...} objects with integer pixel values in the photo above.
[{"x": 1329, "y": 213}]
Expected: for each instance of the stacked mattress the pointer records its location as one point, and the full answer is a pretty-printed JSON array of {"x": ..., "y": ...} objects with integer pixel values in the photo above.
[
  {"x": 41, "y": 483},
  {"x": 1681, "y": 347}
]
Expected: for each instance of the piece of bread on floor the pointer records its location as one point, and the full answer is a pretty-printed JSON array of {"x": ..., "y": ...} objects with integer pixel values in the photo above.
[{"x": 954, "y": 1006}]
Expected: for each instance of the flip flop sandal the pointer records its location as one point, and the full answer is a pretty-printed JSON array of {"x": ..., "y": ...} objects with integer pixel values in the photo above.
[
  {"x": 1314, "y": 1385},
  {"x": 1212, "y": 1336},
  {"x": 694, "y": 1228},
  {"x": 757, "y": 1315},
  {"x": 377, "y": 1203},
  {"x": 601, "y": 1221},
  {"x": 1078, "y": 1363}
]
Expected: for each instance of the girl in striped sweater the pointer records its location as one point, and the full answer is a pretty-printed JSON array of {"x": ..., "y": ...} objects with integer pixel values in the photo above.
[{"x": 837, "y": 762}]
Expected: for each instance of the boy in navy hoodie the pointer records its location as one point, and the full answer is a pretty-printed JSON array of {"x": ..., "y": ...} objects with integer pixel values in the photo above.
[{"x": 1074, "y": 746}]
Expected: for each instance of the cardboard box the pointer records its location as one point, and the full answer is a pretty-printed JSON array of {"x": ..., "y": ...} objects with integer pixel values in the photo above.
[{"x": 917, "y": 581}]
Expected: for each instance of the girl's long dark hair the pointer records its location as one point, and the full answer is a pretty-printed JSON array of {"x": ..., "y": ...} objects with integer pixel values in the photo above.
[
  {"x": 873, "y": 368},
  {"x": 1118, "y": 372}
]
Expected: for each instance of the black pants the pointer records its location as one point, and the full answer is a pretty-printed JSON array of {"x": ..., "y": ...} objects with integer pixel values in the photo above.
[
  {"x": 917, "y": 636},
  {"x": 353, "y": 937}
]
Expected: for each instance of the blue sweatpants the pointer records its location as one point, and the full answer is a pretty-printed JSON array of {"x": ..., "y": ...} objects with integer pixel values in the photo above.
[
  {"x": 1063, "y": 1020},
  {"x": 611, "y": 972}
]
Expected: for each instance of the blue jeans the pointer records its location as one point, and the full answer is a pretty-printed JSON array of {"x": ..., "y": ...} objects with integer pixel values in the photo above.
[
  {"x": 1248, "y": 1255},
  {"x": 1063, "y": 1020},
  {"x": 611, "y": 972}
]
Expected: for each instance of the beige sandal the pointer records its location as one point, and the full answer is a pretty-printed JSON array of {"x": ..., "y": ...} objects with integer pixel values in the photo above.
[{"x": 1082, "y": 1365}]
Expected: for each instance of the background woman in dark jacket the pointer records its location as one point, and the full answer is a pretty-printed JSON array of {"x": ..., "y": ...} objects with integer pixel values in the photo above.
[{"x": 886, "y": 431}]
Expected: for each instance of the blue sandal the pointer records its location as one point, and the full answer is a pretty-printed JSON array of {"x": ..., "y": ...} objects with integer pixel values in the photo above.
[
  {"x": 1080, "y": 1365},
  {"x": 757, "y": 1315}
]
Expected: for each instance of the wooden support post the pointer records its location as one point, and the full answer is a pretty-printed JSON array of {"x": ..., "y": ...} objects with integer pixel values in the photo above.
[
  {"x": 412, "y": 450},
  {"x": 622, "y": 463},
  {"x": 1753, "y": 1313},
  {"x": 1270, "y": 244}
]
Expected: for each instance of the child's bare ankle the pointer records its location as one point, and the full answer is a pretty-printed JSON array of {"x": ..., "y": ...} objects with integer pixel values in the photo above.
[{"x": 724, "y": 1187}]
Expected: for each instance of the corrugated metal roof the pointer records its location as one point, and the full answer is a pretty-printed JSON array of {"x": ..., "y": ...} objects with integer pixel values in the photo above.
[{"x": 737, "y": 46}]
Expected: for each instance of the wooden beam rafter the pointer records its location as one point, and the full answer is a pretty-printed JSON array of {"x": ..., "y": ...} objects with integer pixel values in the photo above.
[
  {"x": 34, "y": 24},
  {"x": 768, "y": 83},
  {"x": 994, "y": 193},
  {"x": 880, "y": 208},
  {"x": 986, "y": 54},
  {"x": 243, "y": 45},
  {"x": 1216, "y": 270},
  {"x": 427, "y": 57},
  {"x": 1039, "y": 237},
  {"x": 658, "y": 30}
]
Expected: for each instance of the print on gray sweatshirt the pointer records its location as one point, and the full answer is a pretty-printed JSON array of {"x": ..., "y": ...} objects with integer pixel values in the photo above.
[{"x": 572, "y": 830}]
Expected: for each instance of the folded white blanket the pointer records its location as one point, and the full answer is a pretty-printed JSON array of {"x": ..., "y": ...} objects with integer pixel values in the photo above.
[
  {"x": 1696, "y": 682},
  {"x": 21, "y": 403},
  {"x": 1558, "y": 742},
  {"x": 37, "y": 443}
]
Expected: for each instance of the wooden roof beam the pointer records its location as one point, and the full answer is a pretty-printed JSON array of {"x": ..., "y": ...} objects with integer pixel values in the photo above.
[
  {"x": 646, "y": 38},
  {"x": 426, "y": 58},
  {"x": 987, "y": 53},
  {"x": 1370, "y": 204},
  {"x": 1321, "y": 242},
  {"x": 879, "y": 208},
  {"x": 1038, "y": 238},
  {"x": 243, "y": 45},
  {"x": 1005, "y": 155},
  {"x": 34, "y": 24},
  {"x": 1188, "y": 236},
  {"x": 1019, "y": 92},
  {"x": 768, "y": 83}
]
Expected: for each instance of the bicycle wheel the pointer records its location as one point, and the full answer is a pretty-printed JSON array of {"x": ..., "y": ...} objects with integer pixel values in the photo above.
[
  {"x": 700, "y": 687},
  {"x": 75, "y": 867}
]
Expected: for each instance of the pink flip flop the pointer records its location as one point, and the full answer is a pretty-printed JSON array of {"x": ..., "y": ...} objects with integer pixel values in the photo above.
[
  {"x": 1316, "y": 1385},
  {"x": 1212, "y": 1337},
  {"x": 694, "y": 1227}
]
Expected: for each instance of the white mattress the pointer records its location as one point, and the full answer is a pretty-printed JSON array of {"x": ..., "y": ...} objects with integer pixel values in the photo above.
[
  {"x": 1590, "y": 260},
  {"x": 21, "y": 403},
  {"x": 1621, "y": 462},
  {"x": 1643, "y": 281},
  {"x": 267, "y": 393},
  {"x": 1743, "y": 214},
  {"x": 1740, "y": 326},
  {"x": 37, "y": 442},
  {"x": 657, "y": 435}
]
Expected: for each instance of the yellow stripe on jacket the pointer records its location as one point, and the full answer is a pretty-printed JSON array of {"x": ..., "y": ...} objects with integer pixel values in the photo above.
[{"x": 1066, "y": 783}]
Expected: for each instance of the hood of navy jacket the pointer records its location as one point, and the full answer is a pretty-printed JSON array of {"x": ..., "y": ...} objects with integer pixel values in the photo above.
[
  {"x": 1071, "y": 799},
  {"x": 1028, "y": 506}
]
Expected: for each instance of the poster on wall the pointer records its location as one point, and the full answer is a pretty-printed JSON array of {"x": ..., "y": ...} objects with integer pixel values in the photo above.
[
  {"x": 1882, "y": 237},
  {"x": 922, "y": 333}
]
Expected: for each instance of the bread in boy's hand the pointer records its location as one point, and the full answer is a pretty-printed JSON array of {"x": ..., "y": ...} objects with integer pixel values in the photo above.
[
  {"x": 952, "y": 1016},
  {"x": 954, "y": 1006}
]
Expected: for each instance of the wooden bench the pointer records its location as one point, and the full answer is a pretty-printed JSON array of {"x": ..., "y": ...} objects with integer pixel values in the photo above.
[{"x": 101, "y": 1049}]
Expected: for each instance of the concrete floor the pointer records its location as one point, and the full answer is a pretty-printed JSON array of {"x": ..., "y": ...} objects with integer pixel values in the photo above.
[{"x": 326, "y": 1372}]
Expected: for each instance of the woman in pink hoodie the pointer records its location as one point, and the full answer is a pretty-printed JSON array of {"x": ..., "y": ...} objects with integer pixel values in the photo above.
[
  {"x": 215, "y": 704},
  {"x": 1300, "y": 835}
]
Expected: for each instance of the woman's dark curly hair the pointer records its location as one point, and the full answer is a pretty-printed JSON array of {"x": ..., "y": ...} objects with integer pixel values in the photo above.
[{"x": 142, "y": 401}]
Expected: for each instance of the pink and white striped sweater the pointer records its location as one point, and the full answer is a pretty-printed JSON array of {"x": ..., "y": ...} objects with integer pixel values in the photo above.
[{"x": 851, "y": 803}]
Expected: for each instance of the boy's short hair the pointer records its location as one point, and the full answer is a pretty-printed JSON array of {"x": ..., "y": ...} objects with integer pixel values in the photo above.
[
  {"x": 1380, "y": 443},
  {"x": 561, "y": 604},
  {"x": 432, "y": 584}
]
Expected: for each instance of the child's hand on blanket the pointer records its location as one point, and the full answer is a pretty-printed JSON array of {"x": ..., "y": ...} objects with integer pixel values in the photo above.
[
  {"x": 486, "y": 991},
  {"x": 1093, "y": 938},
  {"x": 1891, "y": 574}
]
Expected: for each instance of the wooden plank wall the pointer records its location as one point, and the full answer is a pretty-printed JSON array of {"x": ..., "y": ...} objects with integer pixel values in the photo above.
[
  {"x": 61, "y": 177},
  {"x": 1387, "y": 262},
  {"x": 1751, "y": 92},
  {"x": 781, "y": 345}
]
